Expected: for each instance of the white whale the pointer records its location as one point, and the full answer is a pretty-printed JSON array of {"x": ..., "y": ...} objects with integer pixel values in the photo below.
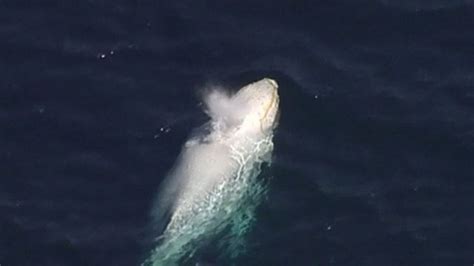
[{"x": 213, "y": 188}]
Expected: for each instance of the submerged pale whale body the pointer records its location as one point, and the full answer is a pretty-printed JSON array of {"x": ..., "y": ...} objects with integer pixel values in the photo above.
[{"x": 213, "y": 189}]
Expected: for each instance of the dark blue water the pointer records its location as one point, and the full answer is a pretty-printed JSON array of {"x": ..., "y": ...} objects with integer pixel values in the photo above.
[{"x": 374, "y": 152}]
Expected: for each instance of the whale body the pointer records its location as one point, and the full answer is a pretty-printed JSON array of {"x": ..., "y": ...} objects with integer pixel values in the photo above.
[{"x": 213, "y": 190}]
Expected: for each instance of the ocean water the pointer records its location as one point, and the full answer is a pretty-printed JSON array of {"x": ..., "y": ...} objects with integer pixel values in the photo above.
[{"x": 374, "y": 154}]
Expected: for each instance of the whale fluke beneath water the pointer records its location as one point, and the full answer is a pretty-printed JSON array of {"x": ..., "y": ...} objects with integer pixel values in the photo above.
[{"x": 213, "y": 190}]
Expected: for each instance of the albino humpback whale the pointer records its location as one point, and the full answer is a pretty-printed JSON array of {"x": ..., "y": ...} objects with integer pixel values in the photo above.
[{"x": 212, "y": 191}]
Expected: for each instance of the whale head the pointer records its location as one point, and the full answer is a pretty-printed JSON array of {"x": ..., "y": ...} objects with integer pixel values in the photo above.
[
  {"x": 261, "y": 103},
  {"x": 252, "y": 109}
]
